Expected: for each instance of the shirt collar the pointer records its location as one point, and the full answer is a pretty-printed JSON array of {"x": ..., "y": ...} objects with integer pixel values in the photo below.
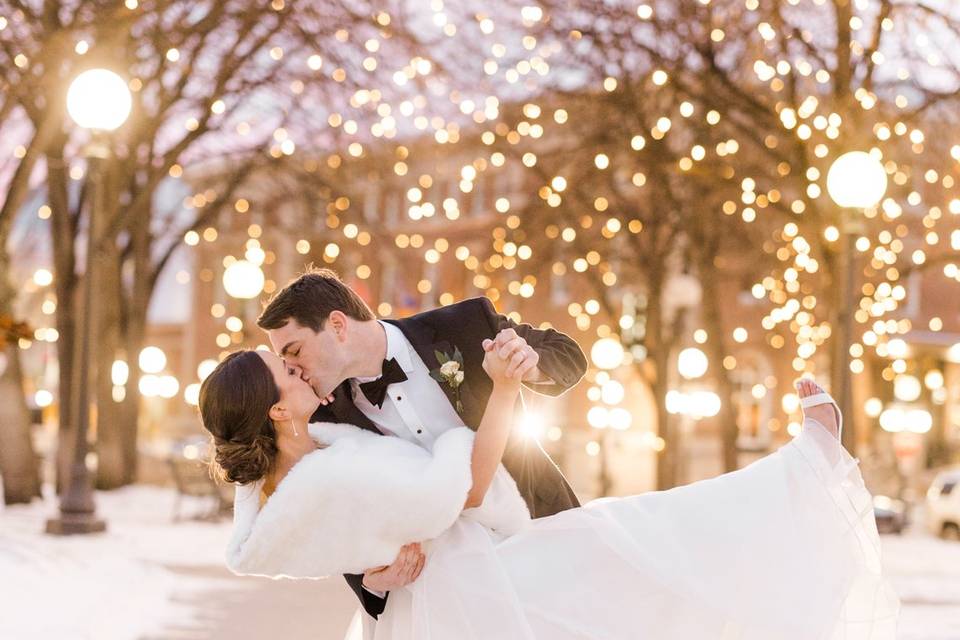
[{"x": 397, "y": 347}]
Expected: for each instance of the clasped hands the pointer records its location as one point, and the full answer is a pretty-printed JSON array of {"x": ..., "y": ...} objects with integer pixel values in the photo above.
[{"x": 521, "y": 364}]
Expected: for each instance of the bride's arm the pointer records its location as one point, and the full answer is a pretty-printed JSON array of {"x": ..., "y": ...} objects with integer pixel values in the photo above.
[{"x": 494, "y": 429}]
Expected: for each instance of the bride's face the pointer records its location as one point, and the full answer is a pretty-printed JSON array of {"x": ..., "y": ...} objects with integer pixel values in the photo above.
[
  {"x": 320, "y": 356},
  {"x": 295, "y": 394}
]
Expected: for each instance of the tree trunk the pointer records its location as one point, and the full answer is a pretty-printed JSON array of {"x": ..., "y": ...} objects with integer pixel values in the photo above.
[
  {"x": 124, "y": 320},
  {"x": 18, "y": 462},
  {"x": 669, "y": 457},
  {"x": 713, "y": 321},
  {"x": 843, "y": 73},
  {"x": 134, "y": 329},
  {"x": 130, "y": 407}
]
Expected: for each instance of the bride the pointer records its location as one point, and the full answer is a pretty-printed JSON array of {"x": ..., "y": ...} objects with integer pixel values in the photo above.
[{"x": 784, "y": 549}]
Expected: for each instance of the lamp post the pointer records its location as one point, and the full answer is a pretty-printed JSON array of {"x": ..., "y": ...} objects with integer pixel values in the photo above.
[
  {"x": 690, "y": 402},
  {"x": 856, "y": 181},
  {"x": 98, "y": 100},
  {"x": 607, "y": 354}
]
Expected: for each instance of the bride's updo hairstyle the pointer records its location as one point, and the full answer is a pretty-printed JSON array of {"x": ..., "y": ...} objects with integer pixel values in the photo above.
[{"x": 235, "y": 403}]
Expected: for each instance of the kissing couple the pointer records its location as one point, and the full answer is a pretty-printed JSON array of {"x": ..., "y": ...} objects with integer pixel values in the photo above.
[{"x": 385, "y": 450}]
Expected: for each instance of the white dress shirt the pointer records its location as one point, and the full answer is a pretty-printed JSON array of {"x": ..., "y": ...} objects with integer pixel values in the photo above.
[{"x": 417, "y": 409}]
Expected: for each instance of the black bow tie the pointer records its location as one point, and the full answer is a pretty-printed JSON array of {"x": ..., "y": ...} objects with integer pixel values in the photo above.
[{"x": 376, "y": 390}]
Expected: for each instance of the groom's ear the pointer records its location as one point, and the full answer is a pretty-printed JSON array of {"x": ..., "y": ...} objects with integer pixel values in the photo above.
[
  {"x": 279, "y": 413},
  {"x": 337, "y": 321}
]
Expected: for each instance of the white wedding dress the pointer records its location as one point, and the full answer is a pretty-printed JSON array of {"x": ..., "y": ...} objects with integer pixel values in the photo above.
[{"x": 785, "y": 549}]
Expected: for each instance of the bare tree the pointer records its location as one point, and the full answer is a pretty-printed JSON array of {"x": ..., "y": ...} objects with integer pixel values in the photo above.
[
  {"x": 713, "y": 125},
  {"x": 214, "y": 82}
]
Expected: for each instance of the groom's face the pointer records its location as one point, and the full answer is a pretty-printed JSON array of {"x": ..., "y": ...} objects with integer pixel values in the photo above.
[{"x": 318, "y": 354}]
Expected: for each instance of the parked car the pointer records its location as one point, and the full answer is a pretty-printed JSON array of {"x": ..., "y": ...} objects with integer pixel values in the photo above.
[
  {"x": 943, "y": 504},
  {"x": 891, "y": 514}
]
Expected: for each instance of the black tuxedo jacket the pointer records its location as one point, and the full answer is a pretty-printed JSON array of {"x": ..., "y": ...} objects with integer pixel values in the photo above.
[{"x": 465, "y": 325}]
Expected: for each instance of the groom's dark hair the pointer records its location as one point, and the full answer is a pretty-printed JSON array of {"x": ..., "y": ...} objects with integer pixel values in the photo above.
[{"x": 310, "y": 299}]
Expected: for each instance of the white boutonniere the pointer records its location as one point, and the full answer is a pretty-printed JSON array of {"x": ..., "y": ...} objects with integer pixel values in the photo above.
[{"x": 450, "y": 372}]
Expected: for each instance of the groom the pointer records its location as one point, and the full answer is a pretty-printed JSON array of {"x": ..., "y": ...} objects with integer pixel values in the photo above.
[{"x": 415, "y": 378}]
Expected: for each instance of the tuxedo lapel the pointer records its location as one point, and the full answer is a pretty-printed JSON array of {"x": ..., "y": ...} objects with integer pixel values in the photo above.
[{"x": 423, "y": 337}]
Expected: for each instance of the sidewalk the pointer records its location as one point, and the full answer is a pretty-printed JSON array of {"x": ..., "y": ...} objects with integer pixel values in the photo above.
[{"x": 233, "y": 608}]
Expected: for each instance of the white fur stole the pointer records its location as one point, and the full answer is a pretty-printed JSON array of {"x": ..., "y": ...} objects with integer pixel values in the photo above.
[{"x": 352, "y": 505}]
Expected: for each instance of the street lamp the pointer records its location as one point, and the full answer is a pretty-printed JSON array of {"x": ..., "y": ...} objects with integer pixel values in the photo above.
[
  {"x": 98, "y": 100},
  {"x": 689, "y": 401},
  {"x": 856, "y": 181},
  {"x": 692, "y": 363},
  {"x": 607, "y": 354},
  {"x": 243, "y": 279}
]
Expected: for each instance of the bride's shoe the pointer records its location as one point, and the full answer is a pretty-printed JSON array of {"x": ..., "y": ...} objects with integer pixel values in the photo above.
[{"x": 819, "y": 397}]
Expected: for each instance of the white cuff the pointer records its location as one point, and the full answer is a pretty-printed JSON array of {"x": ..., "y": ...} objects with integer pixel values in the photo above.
[{"x": 379, "y": 594}]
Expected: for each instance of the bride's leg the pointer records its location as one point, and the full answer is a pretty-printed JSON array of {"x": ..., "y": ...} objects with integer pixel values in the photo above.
[{"x": 825, "y": 414}]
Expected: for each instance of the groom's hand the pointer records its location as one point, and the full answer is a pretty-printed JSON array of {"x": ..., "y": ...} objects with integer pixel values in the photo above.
[
  {"x": 522, "y": 358},
  {"x": 404, "y": 570}
]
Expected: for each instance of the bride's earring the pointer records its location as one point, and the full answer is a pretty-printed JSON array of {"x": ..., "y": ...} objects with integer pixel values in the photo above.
[{"x": 295, "y": 432}]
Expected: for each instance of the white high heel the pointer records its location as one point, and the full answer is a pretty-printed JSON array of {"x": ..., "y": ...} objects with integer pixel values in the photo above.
[{"x": 818, "y": 399}]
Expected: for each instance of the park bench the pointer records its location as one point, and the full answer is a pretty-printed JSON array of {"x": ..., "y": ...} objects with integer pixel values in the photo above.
[{"x": 193, "y": 480}]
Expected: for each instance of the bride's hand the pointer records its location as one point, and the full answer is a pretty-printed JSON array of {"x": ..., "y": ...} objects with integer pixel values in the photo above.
[{"x": 498, "y": 369}]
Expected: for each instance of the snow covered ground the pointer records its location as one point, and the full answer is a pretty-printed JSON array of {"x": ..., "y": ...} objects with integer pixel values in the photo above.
[
  {"x": 114, "y": 586},
  {"x": 925, "y": 571},
  {"x": 147, "y": 577}
]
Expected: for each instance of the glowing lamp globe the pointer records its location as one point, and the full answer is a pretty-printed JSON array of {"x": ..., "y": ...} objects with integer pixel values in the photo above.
[
  {"x": 857, "y": 180},
  {"x": 99, "y": 99},
  {"x": 152, "y": 360},
  {"x": 607, "y": 353},
  {"x": 692, "y": 363},
  {"x": 243, "y": 280}
]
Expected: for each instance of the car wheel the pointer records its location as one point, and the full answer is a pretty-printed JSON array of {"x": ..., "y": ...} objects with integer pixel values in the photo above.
[{"x": 950, "y": 531}]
